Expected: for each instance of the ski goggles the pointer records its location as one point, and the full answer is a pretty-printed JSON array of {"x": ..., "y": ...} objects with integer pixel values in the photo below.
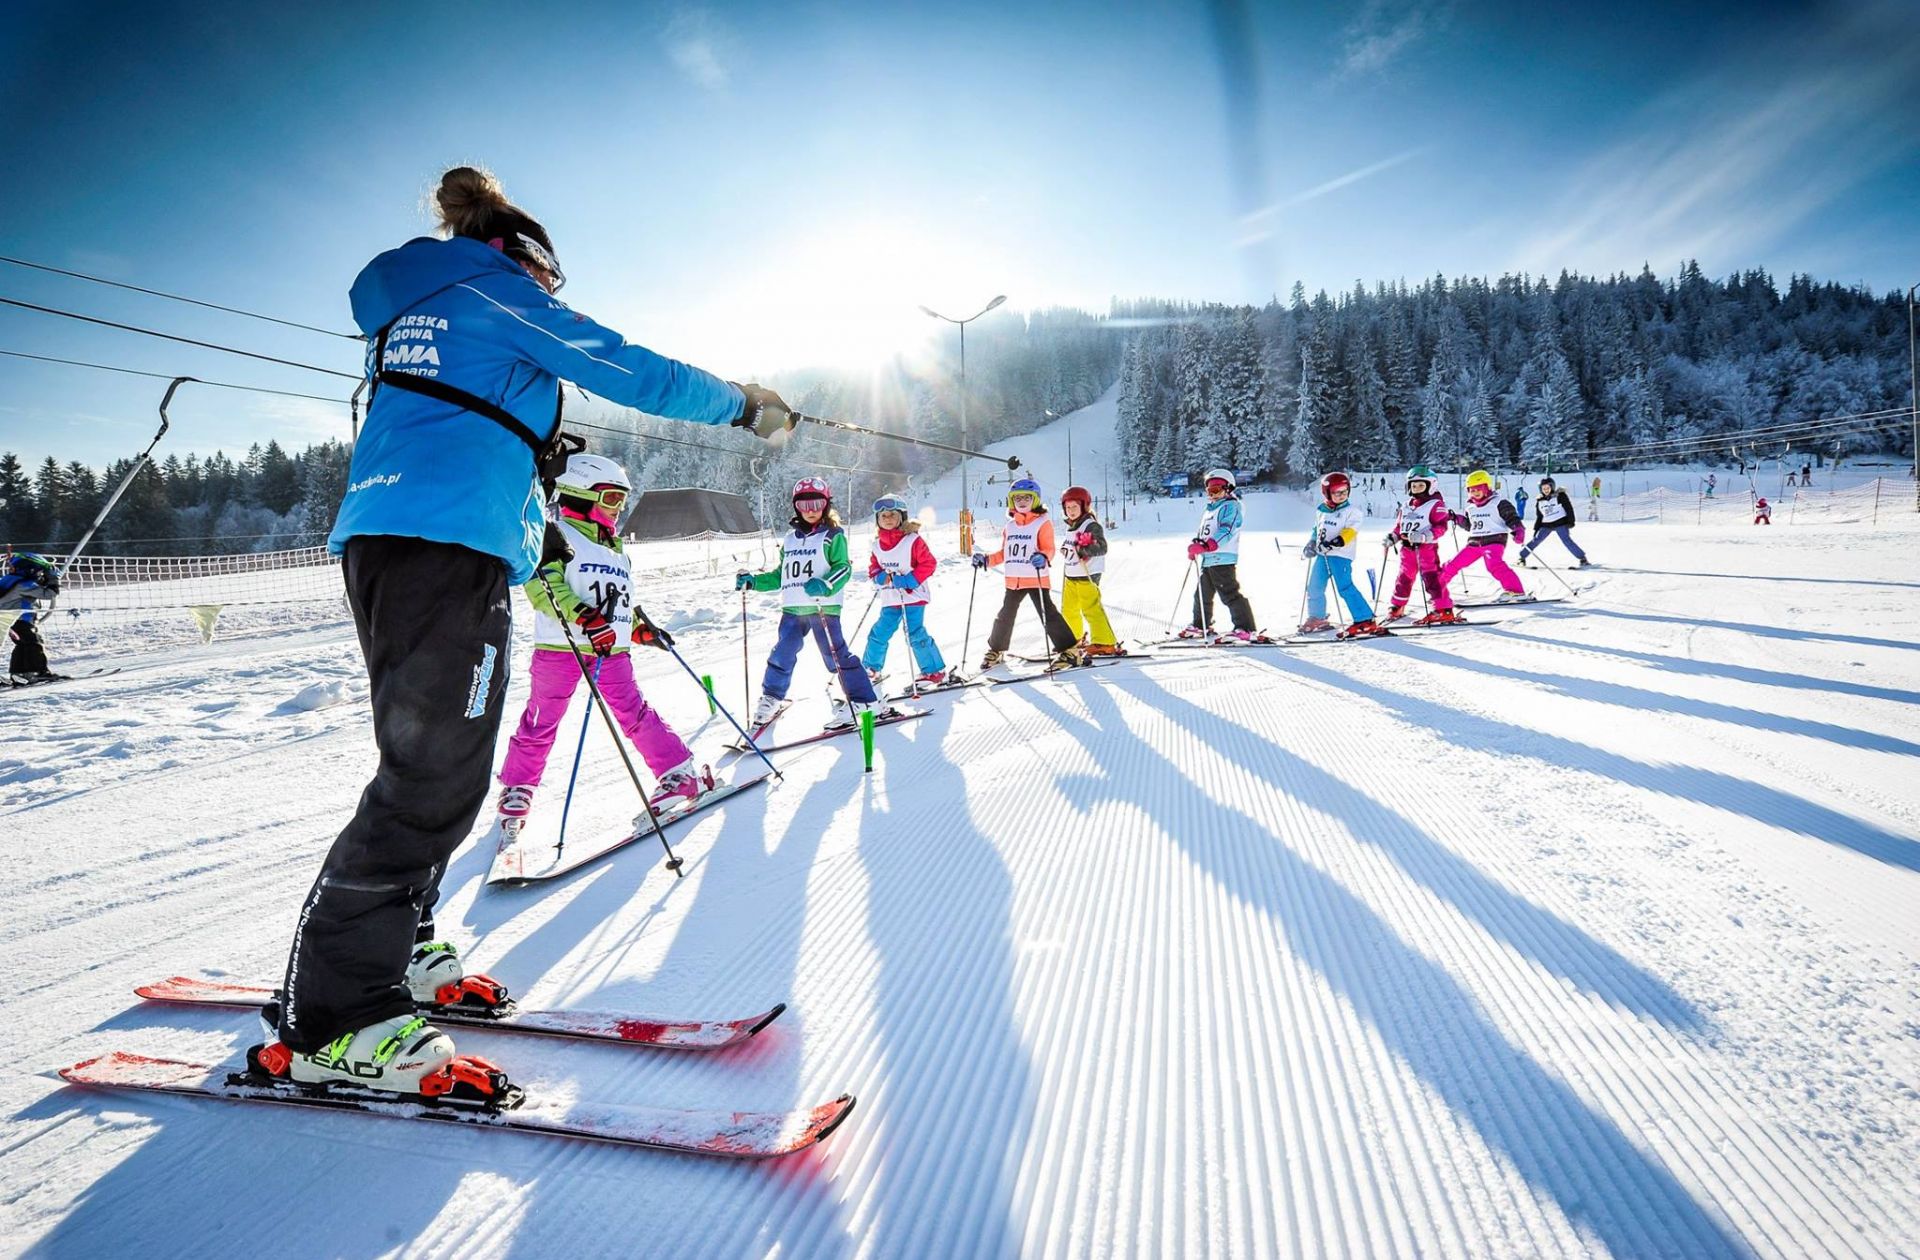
[
  {"x": 612, "y": 498},
  {"x": 533, "y": 252}
]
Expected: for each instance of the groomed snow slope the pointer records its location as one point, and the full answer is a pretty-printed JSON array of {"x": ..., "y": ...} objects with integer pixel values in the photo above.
[{"x": 1590, "y": 932}]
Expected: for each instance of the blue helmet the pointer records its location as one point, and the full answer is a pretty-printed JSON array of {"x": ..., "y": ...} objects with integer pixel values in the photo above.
[
  {"x": 890, "y": 503},
  {"x": 1026, "y": 485}
]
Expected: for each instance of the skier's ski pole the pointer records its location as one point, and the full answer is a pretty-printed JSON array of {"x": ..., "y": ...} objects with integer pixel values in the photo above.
[
  {"x": 861, "y": 624},
  {"x": 1556, "y": 573},
  {"x": 966, "y": 643},
  {"x": 619, "y": 745},
  {"x": 1179, "y": 598},
  {"x": 1010, "y": 461},
  {"x": 745, "y": 738},
  {"x": 573, "y": 776},
  {"x": 1305, "y": 586},
  {"x": 1203, "y": 598},
  {"x": 746, "y": 669}
]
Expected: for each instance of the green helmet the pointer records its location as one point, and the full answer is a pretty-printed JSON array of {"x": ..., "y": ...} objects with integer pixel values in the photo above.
[{"x": 1420, "y": 472}]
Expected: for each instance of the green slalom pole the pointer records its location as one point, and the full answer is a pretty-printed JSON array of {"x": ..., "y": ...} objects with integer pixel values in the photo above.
[
  {"x": 866, "y": 737},
  {"x": 706, "y": 683}
]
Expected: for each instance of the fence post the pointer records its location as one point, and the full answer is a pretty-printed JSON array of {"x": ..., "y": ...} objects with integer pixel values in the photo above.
[{"x": 1876, "y": 500}]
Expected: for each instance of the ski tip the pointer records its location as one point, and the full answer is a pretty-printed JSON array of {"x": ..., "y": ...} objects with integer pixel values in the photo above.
[
  {"x": 779, "y": 1009},
  {"x": 844, "y": 1104}
]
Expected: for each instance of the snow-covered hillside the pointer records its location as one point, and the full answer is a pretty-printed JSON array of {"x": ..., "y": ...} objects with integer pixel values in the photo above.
[{"x": 1587, "y": 932}]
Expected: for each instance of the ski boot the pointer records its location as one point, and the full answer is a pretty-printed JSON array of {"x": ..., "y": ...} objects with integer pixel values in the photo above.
[
  {"x": 1237, "y": 638},
  {"x": 405, "y": 1057},
  {"x": 435, "y": 979},
  {"x": 1363, "y": 630},
  {"x": 1523, "y": 561},
  {"x": 1067, "y": 658},
  {"x": 765, "y": 708},
  {"x": 1513, "y": 597},
  {"x": 1441, "y": 617},
  {"x": 685, "y": 781},
  {"x": 1191, "y": 632},
  {"x": 1582, "y": 563},
  {"x": 933, "y": 678},
  {"x": 1314, "y": 625},
  {"x": 993, "y": 657},
  {"x": 516, "y": 801},
  {"x": 1104, "y": 649},
  {"x": 1397, "y": 612}
]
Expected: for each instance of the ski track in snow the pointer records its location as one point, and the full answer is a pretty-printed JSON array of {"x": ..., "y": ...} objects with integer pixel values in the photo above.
[{"x": 1591, "y": 933}]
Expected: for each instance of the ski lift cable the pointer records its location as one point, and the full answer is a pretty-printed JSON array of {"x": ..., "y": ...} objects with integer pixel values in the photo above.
[
  {"x": 167, "y": 376},
  {"x": 212, "y": 306},
  {"x": 206, "y": 345}
]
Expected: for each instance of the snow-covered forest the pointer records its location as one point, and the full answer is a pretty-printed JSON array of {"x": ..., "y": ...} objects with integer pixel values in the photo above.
[{"x": 1514, "y": 370}]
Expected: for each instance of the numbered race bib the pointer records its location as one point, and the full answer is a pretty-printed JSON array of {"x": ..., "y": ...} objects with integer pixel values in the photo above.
[
  {"x": 1550, "y": 510},
  {"x": 898, "y": 560},
  {"x": 1483, "y": 520},
  {"x": 1021, "y": 542},
  {"x": 803, "y": 557},
  {"x": 600, "y": 576}
]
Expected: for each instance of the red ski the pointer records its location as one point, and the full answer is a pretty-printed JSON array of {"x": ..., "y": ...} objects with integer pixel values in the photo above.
[
  {"x": 699, "y": 1034},
  {"x": 734, "y": 1134}
]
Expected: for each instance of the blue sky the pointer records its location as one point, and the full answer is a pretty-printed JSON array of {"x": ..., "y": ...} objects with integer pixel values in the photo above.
[{"x": 758, "y": 187}]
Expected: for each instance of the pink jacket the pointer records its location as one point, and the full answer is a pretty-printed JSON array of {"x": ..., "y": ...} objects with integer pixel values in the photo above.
[{"x": 1429, "y": 510}]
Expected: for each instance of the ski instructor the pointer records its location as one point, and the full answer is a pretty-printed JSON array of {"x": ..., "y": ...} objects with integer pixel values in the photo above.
[{"x": 442, "y": 517}]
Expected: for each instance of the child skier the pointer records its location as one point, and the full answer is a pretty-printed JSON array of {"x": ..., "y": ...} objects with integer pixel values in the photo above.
[
  {"x": 26, "y": 578},
  {"x": 1762, "y": 512},
  {"x": 1217, "y": 548},
  {"x": 1083, "y": 557},
  {"x": 812, "y": 572},
  {"x": 1025, "y": 556},
  {"x": 900, "y": 566},
  {"x": 1552, "y": 515},
  {"x": 592, "y": 592},
  {"x": 1417, "y": 526},
  {"x": 1488, "y": 520},
  {"x": 1331, "y": 548}
]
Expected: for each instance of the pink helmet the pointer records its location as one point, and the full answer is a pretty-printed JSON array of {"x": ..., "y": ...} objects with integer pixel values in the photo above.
[{"x": 811, "y": 488}]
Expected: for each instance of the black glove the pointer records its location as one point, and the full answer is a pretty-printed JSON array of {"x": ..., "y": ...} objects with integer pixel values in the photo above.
[
  {"x": 554, "y": 546},
  {"x": 766, "y": 413}
]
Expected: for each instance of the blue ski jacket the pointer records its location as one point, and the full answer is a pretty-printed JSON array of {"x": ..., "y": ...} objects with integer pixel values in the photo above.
[
  {"x": 469, "y": 316},
  {"x": 20, "y": 592}
]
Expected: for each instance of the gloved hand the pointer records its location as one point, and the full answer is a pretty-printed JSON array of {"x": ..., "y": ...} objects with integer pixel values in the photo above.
[
  {"x": 599, "y": 633},
  {"x": 882, "y": 578},
  {"x": 906, "y": 582},
  {"x": 742, "y": 580},
  {"x": 1519, "y": 535},
  {"x": 765, "y": 412},
  {"x": 816, "y": 587},
  {"x": 1083, "y": 539},
  {"x": 646, "y": 634},
  {"x": 1311, "y": 548},
  {"x": 1039, "y": 562},
  {"x": 979, "y": 560}
]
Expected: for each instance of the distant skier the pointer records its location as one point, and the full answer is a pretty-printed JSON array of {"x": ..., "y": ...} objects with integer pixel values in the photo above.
[
  {"x": 812, "y": 571},
  {"x": 1331, "y": 548},
  {"x": 1489, "y": 519},
  {"x": 900, "y": 567},
  {"x": 592, "y": 591},
  {"x": 1417, "y": 529},
  {"x": 1762, "y": 512},
  {"x": 1711, "y": 482},
  {"x": 1552, "y": 517},
  {"x": 442, "y": 511},
  {"x": 1593, "y": 501},
  {"x": 26, "y": 578},
  {"x": 1217, "y": 549},
  {"x": 1520, "y": 501},
  {"x": 1083, "y": 557},
  {"x": 1025, "y": 557}
]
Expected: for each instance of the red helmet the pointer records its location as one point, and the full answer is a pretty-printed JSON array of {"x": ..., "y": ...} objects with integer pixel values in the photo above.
[
  {"x": 1334, "y": 481},
  {"x": 812, "y": 488},
  {"x": 1078, "y": 494}
]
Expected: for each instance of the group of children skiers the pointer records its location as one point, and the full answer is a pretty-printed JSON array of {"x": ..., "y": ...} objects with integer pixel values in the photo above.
[{"x": 591, "y": 593}]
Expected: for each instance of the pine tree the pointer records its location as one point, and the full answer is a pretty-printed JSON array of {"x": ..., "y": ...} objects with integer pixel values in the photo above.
[
  {"x": 1313, "y": 413},
  {"x": 1556, "y": 428},
  {"x": 19, "y": 514},
  {"x": 1375, "y": 445}
]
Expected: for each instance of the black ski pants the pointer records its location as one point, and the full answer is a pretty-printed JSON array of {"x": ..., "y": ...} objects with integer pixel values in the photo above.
[
  {"x": 1224, "y": 579},
  {"x": 434, "y": 622},
  {"x": 1058, "y": 634},
  {"x": 29, "y": 654}
]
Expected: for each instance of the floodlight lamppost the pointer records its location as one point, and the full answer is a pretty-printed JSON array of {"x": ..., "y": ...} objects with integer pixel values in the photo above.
[
  {"x": 963, "y": 379},
  {"x": 1913, "y": 402}
]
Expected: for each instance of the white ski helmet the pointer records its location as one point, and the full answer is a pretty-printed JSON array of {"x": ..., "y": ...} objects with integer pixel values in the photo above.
[
  {"x": 584, "y": 472},
  {"x": 1222, "y": 474}
]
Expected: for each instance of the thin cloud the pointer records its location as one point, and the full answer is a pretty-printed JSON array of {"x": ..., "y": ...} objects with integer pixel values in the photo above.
[
  {"x": 1385, "y": 29},
  {"x": 1260, "y": 224},
  {"x": 694, "y": 40},
  {"x": 1721, "y": 169}
]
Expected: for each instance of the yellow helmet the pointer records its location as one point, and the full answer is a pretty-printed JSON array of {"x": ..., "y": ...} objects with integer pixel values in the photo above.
[{"x": 1479, "y": 477}]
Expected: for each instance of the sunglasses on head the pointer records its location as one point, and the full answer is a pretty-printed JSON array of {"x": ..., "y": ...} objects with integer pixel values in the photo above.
[{"x": 533, "y": 254}]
